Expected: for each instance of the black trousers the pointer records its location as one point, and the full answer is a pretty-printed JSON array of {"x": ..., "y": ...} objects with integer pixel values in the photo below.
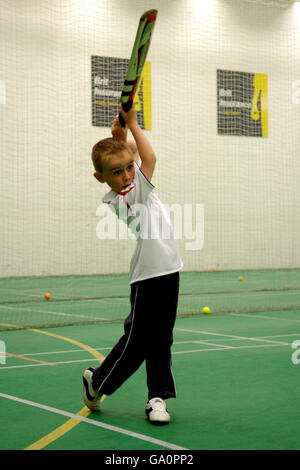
[{"x": 148, "y": 336}]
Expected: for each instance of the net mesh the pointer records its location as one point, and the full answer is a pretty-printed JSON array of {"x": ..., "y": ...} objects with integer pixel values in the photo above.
[
  {"x": 219, "y": 101},
  {"x": 105, "y": 298}
]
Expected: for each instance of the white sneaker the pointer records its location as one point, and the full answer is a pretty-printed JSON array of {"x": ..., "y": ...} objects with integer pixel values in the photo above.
[
  {"x": 156, "y": 411},
  {"x": 90, "y": 396}
]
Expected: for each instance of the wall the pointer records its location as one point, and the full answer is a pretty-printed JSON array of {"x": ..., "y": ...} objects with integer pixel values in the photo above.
[{"x": 249, "y": 186}]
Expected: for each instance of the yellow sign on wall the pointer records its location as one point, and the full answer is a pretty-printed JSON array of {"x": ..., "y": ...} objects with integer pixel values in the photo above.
[{"x": 242, "y": 103}]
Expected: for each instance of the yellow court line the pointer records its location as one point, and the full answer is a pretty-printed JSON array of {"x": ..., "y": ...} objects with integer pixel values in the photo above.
[
  {"x": 93, "y": 352},
  {"x": 71, "y": 423},
  {"x": 61, "y": 430},
  {"x": 58, "y": 432}
]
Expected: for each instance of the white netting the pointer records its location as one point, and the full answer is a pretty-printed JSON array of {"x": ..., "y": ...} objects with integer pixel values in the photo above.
[{"x": 248, "y": 185}]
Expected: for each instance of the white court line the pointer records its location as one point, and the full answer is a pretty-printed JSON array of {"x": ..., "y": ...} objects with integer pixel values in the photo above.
[
  {"x": 281, "y": 336},
  {"x": 108, "y": 348},
  {"x": 223, "y": 348},
  {"x": 64, "y": 352},
  {"x": 262, "y": 317},
  {"x": 52, "y": 364},
  {"x": 73, "y": 315},
  {"x": 224, "y": 335},
  {"x": 99, "y": 349},
  {"x": 255, "y": 346},
  {"x": 136, "y": 435},
  {"x": 214, "y": 344}
]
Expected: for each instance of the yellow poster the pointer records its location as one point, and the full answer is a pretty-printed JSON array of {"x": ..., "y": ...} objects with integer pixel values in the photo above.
[{"x": 242, "y": 100}]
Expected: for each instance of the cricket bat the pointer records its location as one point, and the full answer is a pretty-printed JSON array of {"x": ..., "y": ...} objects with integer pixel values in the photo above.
[{"x": 137, "y": 60}]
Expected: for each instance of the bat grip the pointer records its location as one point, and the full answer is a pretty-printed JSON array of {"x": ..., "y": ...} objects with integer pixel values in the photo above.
[{"x": 126, "y": 107}]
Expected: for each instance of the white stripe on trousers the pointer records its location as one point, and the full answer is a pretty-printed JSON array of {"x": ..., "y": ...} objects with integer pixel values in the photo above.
[{"x": 133, "y": 313}]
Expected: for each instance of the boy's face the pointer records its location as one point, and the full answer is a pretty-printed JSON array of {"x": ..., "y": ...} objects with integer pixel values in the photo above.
[{"x": 118, "y": 171}]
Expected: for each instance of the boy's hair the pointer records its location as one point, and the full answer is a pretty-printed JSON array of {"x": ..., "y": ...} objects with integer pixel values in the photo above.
[{"x": 106, "y": 147}]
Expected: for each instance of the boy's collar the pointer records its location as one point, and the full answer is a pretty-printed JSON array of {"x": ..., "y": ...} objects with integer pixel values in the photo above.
[
  {"x": 126, "y": 190},
  {"x": 111, "y": 195}
]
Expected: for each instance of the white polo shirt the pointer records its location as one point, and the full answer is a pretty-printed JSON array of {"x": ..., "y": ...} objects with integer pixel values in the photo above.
[{"x": 156, "y": 253}]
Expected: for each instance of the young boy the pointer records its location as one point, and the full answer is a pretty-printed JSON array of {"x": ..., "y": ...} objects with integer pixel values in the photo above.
[{"x": 154, "y": 273}]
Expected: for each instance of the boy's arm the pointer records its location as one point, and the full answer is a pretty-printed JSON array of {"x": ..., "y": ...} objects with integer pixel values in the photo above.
[
  {"x": 120, "y": 133},
  {"x": 117, "y": 131},
  {"x": 145, "y": 150}
]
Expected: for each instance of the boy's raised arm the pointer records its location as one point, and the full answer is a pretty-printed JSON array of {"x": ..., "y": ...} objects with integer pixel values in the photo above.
[
  {"x": 145, "y": 150},
  {"x": 117, "y": 131}
]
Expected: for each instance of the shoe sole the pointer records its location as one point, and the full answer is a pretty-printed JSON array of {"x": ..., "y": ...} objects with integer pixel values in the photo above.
[
  {"x": 158, "y": 416},
  {"x": 159, "y": 421}
]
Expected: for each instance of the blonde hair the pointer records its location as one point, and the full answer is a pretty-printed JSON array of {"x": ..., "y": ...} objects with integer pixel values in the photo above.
[{"x": 106, "y": 147}]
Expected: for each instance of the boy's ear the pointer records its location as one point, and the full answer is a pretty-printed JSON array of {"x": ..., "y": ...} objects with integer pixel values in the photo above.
[{"x": 98, "y": 177}]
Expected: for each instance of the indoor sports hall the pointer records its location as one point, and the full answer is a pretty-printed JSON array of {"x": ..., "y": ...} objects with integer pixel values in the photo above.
[{"x": 219, "y": 100}]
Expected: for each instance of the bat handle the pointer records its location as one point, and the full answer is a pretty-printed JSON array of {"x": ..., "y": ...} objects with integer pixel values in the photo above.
[{"x": 126, "y": 107}]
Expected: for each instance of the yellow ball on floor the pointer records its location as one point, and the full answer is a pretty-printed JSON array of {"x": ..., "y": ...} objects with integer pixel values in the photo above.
[
  {"x": 47, "y": 296},
  {"x": 206, "y": 310}
]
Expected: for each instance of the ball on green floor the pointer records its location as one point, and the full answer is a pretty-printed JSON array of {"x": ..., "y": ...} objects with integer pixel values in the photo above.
[{"x": 206, "y": 310}]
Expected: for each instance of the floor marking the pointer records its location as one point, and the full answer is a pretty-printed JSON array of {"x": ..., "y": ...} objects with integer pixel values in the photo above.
[
  {"x": 213, "y": 344},
  {"x": 194, "y": 341},
  {"x": 256, "y": 346},
  {"x": 231, "y": 336},
  {"x": 82, "y": 418},
  {"x": 51, "y": 312},
  {"x": 63, "y": 429},
  {"x": 94, "y": 353},
  {"x": 41, "y": 443},
  {"x": 65, "y": 351},
  {"x": 219, "y": 348},
  {"x": 263, "y": 317},
  {"x": 27, "y": 365},
  {"x": 281, "y": 336},
  {"x": 30, "y": 359},
  {"x": 46, "y": 364}
]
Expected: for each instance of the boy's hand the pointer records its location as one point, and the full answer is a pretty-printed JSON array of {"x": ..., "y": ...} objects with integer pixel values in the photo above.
[
  {"x": 129, "y": 117},
  {"x": 117, "y": 131}
]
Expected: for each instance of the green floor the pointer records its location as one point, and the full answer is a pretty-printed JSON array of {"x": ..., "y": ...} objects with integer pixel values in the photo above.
[{"x": 236, "y": 384}]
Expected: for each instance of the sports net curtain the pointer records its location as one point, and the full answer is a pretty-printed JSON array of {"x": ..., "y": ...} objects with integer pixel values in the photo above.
[{"x": 235, "y": 188}]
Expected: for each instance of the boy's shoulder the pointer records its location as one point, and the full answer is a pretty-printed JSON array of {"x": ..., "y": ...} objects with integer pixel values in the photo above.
[
  {"x": 141, "y": 175},
  {"x": 109, "y": 197}
]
